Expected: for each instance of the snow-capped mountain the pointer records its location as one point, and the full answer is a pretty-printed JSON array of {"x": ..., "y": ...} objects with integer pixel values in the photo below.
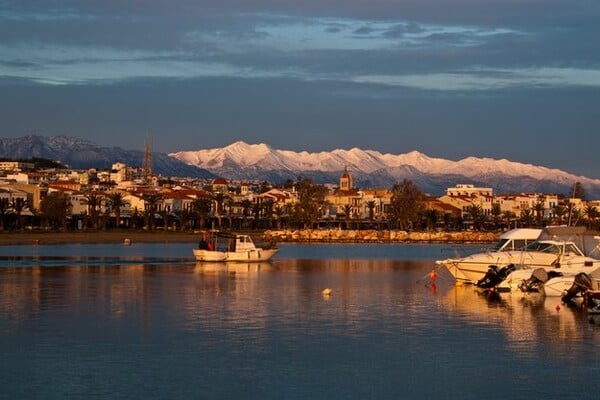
[
  {"x": 81, "y": 154},
  {"x": 371, "y": 168}
]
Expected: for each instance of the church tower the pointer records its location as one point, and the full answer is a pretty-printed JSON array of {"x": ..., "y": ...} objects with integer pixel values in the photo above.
[{"x": 346, "y": 183}]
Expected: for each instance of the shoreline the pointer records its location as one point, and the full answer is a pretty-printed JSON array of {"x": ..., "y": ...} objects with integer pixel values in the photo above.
[
  {"x": 304, "y": 236},
  {"x": 91, "y": 237}
]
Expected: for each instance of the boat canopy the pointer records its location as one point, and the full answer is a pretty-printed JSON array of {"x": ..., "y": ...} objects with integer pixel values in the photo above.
[{"x": 587, "y": 241}]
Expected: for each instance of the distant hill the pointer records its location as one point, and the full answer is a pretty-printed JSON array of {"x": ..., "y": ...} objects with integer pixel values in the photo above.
[
  {"x": 82, "y": 154},
  {"x": 372, "y": 169}
]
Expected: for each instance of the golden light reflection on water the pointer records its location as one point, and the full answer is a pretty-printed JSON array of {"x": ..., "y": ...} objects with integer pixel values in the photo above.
[
  {"x": 252, "y": 297},
  {"x": 524, "y": 320}
]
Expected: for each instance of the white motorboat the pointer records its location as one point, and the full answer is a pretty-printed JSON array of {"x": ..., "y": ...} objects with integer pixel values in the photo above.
[
  {"x": 555, "y": 248},
  {"x": 551, "y": 282},
  {"x": 227, "y": 247},
  {"x": 472, "y": 268}
]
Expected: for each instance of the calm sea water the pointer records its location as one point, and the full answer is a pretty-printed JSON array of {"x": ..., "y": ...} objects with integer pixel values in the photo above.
[{"x": 147, "y": 322}]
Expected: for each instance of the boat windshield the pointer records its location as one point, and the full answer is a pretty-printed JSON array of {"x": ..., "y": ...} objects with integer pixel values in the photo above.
[
  {"x": 570, "y": 248},
  {"x": 543, "y": 247},
  {"x": 501, "y": 243},
  {"x": 510, "y": 244}
]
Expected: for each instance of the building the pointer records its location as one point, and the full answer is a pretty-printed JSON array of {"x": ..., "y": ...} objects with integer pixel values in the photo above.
[{"x": 16, "y": 166}]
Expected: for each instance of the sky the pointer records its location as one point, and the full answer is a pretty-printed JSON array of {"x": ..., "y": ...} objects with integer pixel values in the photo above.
[{"x": 506, "y": 79}]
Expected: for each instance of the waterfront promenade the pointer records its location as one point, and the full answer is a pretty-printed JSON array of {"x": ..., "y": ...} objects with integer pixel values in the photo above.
[{"x": 278, "y": 236}]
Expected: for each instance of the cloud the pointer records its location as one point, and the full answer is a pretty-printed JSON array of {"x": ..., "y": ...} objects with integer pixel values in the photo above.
[{"x": 248, "y": 45}]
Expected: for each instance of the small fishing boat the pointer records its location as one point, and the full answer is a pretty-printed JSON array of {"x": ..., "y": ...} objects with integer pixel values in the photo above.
[{"x": 230, "y": 247}]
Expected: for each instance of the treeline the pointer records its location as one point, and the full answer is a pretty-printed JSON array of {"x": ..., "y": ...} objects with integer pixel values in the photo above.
[{"x": 38, "y": 163}]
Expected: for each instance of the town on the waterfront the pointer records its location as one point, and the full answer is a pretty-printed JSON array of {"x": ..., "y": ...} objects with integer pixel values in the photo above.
[{"x": 51, "y": 197}]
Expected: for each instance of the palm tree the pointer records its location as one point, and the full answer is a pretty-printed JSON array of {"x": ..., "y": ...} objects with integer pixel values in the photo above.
[
  {"x": 559, "y": 212},
  {"x": 246, "y": 204},
  {"x": 496, "y": 211},
  {"x": 256, "y": 208},
  {"x": 431, "y": 218},
  {"x": 93, "y": 200},
  {"x": 591, "y": 215},
  {"x": 278, "y": 210},
  {"x": 151, "y": 200},
  {"x": 4, "y": 207},
  {"x": 347, "y": 214},
  {"x": 184, "y": 217},
  {"x": 117, "y": 202},
  {"x": 527, "y": 217},
  {"x": 267, "y": 207},
  {"x": 18, "y": 204},
  {"x": 201, "y": 207},
  {"x": 371, "y": 206}
]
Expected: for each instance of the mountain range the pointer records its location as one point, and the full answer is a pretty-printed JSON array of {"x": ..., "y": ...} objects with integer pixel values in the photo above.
[
  {"x": 369, "y": 168},
  {"x": 83, "y": 154}
]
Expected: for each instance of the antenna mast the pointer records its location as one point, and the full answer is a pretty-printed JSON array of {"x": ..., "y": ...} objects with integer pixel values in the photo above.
[{"x": 147, "y": 164}]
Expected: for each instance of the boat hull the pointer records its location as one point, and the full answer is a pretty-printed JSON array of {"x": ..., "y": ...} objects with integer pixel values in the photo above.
[{"x": 254, "y": 255}]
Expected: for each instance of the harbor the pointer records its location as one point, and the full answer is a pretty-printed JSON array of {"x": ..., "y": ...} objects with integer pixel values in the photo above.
[{"x": 145, "y": 320}]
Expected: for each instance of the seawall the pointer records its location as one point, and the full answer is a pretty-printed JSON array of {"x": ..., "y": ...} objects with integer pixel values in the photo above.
[{"x": 377, "y": 236}]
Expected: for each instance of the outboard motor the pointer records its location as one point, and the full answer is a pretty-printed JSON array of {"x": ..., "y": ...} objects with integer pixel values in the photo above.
[
  {"x": 494, "y": 276},
  {"x": 581, "y": 283},
  {"x": 536, "y": 281}
]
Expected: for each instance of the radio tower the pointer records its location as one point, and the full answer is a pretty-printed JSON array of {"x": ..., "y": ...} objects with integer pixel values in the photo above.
[{"x": 147, "y": 165}]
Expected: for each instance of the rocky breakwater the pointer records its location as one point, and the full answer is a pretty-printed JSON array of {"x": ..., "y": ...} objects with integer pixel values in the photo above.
[{"x": 377, "y": 236}]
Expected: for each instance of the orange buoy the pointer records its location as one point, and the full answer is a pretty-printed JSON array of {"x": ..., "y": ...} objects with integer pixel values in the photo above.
[
  {"x": 433, "y": 277},
  {"x": 558, "y": 307}
]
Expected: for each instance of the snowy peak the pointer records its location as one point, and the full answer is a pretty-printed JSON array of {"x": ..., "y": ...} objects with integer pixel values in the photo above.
[
  {"x": 262, "y": 156},
  {"x": 240, "y": 157}
]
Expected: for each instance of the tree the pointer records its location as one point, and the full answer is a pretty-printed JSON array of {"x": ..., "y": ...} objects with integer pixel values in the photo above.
[
  {"x": 151, "y": 200},
  {"x": 509, "y": 217},
  {"x": 405, "y": 205},
  {"x": 18, "y": 204},
  {"x": 55, "y": 207},
  {"x": 431, "y": 218},
  {"x": 246, "y": 205},
  {"x": 347, "y": 214},
  {"x": 477, "y": 216},
  {"x": 278, "y": 211},
  {"x": 267, "y": 207},
  {"x": 201, "y": 208},
  {"x": 539, "y": 211},
  {"x": 311, "y": 200},
  {"x": 4, "y": 207},
  {"x": 577, "y": 191},
  {"x": 93, "y": 200},
  {"x": 371, "y": 207},
  {"x": 117, "y": 202},
  {"x": 496, "y": 212},
  {"x": 591, "y": 215},
  {"x": 527, "y": 218},
  {"x": 559, "y": 211}
]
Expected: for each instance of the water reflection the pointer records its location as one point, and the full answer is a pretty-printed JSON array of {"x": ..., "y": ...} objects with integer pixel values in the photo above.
[
  {"x": 219, "y": 329},
  {"x": 286, "y": 293},
  {"x": 524, "y": 320}
]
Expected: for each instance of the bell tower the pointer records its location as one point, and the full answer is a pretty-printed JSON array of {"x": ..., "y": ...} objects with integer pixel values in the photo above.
[{"x": 346, "y": 180}]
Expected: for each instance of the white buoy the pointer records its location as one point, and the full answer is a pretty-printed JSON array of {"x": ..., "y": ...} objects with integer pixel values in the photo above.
[
  {"x": 326, "y": 292},
  {"x": 127, "y": 242}
]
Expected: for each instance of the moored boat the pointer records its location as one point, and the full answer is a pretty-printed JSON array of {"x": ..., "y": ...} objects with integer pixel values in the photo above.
[
  {"x": 472, "y": 268},
  {"x": 228, "y": 247},
  {"x": 569, "y": 250}
]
